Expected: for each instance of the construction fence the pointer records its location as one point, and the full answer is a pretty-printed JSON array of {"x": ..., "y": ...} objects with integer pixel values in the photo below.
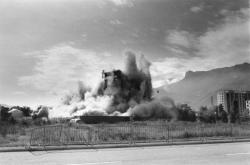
[{"x": 134, "y": 133}]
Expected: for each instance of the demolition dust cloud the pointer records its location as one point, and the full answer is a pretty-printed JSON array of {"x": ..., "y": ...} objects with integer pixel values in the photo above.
[{"x": 120, "y": 93}]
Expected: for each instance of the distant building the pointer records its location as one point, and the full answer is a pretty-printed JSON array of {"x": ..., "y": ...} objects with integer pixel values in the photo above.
[
  {"x": 234, "y": 102},
  {"x": 248, "y": 106}
]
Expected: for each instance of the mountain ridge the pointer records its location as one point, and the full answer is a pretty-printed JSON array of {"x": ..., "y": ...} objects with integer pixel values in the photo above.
[{"x": 197, "y": 88}]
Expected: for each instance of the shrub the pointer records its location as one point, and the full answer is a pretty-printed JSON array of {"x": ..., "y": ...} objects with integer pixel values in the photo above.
[{"x": 185, "y": 113}]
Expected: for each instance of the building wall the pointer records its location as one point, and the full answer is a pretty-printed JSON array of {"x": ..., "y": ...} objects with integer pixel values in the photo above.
[
  {"x": 248, "y": 104},
  {"x": 248, "y": 107},
  {"x": 221, "y": 100},
  {"x": 234, "y": 102}
]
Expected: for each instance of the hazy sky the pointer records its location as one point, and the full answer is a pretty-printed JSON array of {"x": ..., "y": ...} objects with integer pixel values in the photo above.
[{"x": 47, "y": 46}]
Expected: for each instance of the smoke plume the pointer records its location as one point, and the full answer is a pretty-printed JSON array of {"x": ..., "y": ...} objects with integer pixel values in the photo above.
[
  {"x": 120, "y": 93},
  {"x": 160, "y": 108}
]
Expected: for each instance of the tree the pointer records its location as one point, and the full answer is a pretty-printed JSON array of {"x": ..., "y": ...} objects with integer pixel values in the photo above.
[
  {"x": 212, "y": 114},
  {"x": 4, "y": 113},
  {"x": 185, "y": 113},
  {"x": 206, "y": 115},
  {"x": 221, "y": 114}
]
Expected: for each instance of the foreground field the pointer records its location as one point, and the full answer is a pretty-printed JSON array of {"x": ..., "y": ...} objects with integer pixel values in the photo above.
[{"x": 136, "y": 132}]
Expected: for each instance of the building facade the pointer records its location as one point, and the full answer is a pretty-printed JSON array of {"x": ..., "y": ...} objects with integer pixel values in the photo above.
[
  {"x": 234, "y": 102},
  {"x": 248, "y": 105}
]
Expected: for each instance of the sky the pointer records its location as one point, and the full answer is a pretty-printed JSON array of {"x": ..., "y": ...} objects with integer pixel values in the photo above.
[{"x": 48, "y": 46}]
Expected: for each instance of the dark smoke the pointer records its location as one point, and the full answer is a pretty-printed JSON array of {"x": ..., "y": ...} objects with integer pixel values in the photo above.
[
  {"x": 160, "y": 108},
  {"x": 132, "y": 92},
  {"x": 131, "y": 69}
]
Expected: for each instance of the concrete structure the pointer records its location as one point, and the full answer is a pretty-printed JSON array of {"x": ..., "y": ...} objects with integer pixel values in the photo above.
[
  {"x": 113, "y": 82},
  {"x": 234, "y": 102}
]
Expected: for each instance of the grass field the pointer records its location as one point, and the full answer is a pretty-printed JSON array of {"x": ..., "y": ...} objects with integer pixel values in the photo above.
[{"x": 149, "y": 131}]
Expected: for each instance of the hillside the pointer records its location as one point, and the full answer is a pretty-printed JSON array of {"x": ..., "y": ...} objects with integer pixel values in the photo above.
[{"x": 197, "y": 88}]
